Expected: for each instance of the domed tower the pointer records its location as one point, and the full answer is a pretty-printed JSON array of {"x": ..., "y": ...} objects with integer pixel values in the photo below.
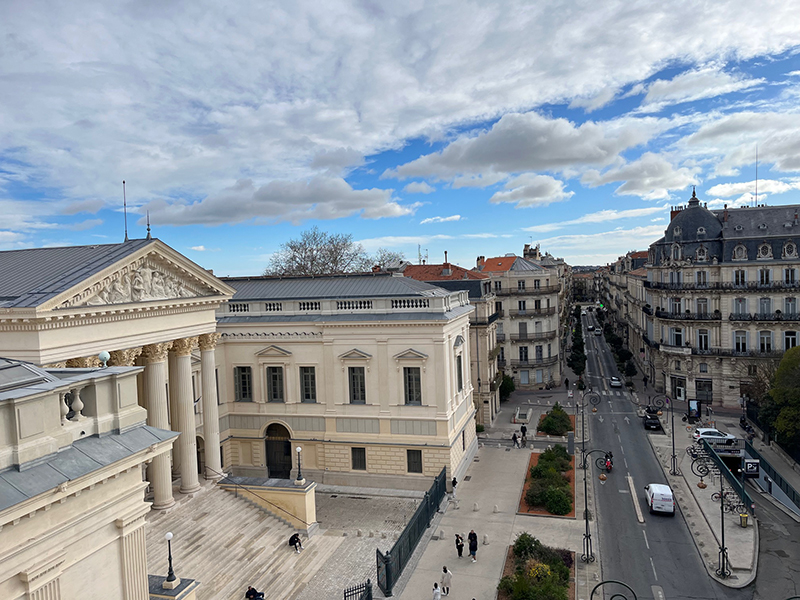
[{"x": 694, "y": 235}]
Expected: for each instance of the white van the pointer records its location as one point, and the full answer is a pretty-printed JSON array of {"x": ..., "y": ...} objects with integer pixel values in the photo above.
[{"x": 660, "y": 498}]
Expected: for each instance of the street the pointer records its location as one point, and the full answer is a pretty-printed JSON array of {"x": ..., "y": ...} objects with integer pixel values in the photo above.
[{"x": 657, "y": 558}]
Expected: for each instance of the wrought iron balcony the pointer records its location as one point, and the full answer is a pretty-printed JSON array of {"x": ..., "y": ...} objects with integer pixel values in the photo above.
[
  {"x": 501, "y": 337},
  {"x": 533, "y": 336},
  {"x": 774, "y": 316},
  {"x": 737, "y": 353},
  {"x": 688, "y": 316},
  {"x": 532, "y": 312},
  {"x": 723, "y": 285},
  {"x": 545, "y": 289},
  {"x": 647, "y": 309},
  {"x": 534, "y": 362}
]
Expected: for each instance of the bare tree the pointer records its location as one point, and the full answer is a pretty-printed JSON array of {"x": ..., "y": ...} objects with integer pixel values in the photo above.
[{"x": 320, "y": 253}]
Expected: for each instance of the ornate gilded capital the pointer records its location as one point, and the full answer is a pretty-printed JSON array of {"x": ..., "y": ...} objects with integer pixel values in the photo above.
[
  {"x": 208, "y": 341},
  {"x": 124, "y": 358},
  {"x": 84, "y": 362},
  {"x": 155, "y": 353},
  {"x": 184, "y": 346}
]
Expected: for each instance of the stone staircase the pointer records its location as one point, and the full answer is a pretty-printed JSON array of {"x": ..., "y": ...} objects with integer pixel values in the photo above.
[{"x": 227, "y": 543}]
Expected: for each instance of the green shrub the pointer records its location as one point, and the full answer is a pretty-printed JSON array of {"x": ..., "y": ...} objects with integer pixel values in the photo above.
[
  {"x": 479, "y": 428},
  {"x": 506, "y": 584},
  {"x": 534, "y": 496},
  {"x": 557, "y": 501},
  {"x": 523, "y": 586},
  {"x": 525, "y": 545},
  {"x": 506, "y": 387},
  {"x": 556, "y": 422}
]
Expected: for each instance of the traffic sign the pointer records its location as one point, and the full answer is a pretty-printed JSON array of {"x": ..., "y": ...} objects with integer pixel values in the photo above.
[{"x": 752, "y": 467}]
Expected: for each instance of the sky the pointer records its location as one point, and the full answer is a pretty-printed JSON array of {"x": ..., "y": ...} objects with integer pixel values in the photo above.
[{"x": 419, "y": 127}]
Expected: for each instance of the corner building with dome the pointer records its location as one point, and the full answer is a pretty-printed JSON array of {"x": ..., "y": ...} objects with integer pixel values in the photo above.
[{"x": 720, "y": 299}]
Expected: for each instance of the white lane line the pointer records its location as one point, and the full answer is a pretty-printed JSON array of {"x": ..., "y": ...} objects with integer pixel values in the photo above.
[
  {"x": 652, "y": 564},
  {"x": 625, "y": 460},
  {"x": 621, "y": 448},
  {"x": 635, "y": 499},
  {"x": 646, "y": 543}
]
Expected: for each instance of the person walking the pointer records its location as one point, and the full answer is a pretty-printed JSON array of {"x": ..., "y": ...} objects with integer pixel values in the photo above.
[
  {"x": 454, "y": 483},
  {"x": 460, "y": 545},
  {"x": 447, "y": 579},
  {"x": 566, "y": 383},
  {"x": 437, "y": 593},
  {"x": 524, "y": 431},
  {"x": 515, "y": 440},
  {"x": 473, "y": 545}
]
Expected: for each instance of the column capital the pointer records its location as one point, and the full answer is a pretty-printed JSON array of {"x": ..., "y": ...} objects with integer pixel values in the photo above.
[
  {"x": 208, "y": 341},
  {"x": 84, "y": 362},
  {"x": 124, "y": 358},
  {"x": 156, "y": 353},
  {"x": 184, "y": 346}
]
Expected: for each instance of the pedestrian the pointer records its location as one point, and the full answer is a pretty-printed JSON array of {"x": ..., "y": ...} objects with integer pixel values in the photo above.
[
  {"x": 566, "y": 383},
  {"x": 253, "y": 594},
  {"x": 447, "y": 579},
  {"x": 524, "y": 431},
  {"x": 295, "y": 542},
  {"x": 460, "y": 545},
  {"x": 437, "y": 593},
  {"x": 473, "y": 545},
  {"x": 644, "y": 380},
  {"x": 454, "y": 483},
  {"x": 515, "y": 440}
]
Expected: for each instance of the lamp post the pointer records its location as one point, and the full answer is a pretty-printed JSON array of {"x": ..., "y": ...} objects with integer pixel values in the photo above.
[
  {"x": 586, "y": 399},
  {"x": 659, "y": 401},
  {"x": 299, "y": 480},
  {"x": 723, "y": 570},
  {"x": 171, "y": 582}
]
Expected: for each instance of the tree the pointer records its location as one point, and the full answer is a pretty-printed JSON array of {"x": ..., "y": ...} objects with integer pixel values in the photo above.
[
  {"x": 785, "y": 395},
  {"x": 320, "y": 253},
  {"x": 506, "y": 387}
]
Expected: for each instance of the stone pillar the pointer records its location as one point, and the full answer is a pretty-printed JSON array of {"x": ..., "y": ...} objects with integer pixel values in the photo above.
[
  {"x": 133, "y": 555},
  {"x": 208, "y": 365},
  {"x": 187, "y": 442},
  {"x": 174, "y": 418},
  {"x": 155, "y": 385}
]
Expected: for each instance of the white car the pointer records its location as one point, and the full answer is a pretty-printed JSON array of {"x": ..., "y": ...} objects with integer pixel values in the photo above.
[
  {"x": 660, "y": 498},
  {"x": 712, "y": 435},
  {"x": 583, "y": 313},
  {"x": 615, "y": 382}
]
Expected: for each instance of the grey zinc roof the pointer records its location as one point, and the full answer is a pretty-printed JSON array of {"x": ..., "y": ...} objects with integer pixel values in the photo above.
[
  {"x": 83, "y": 457},
  {"x": 32, "y": 276},
  {"x": 17, "y": 374},
  {"x": 368, "y": 285},
  {"x": 523, "y": 264},
  {"x": 779, "y": 220}
]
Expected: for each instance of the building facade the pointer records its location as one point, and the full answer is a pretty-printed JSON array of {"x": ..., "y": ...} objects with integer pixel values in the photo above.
[
  {"x": 369, "y": 375},
  {"x": 530, "y": 325}
]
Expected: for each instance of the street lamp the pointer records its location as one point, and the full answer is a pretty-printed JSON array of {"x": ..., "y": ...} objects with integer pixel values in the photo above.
[
  {"x": 171, "y": 581},
  {"x": 299, "y": 480},
  {"x": 586, "y": 399},
  {"x": 723, "y": 570},
  {"x": 659, "y": 401}
]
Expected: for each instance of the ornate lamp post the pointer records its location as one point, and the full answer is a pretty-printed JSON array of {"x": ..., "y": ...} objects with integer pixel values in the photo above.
[
  {"x": 171, "y": 581},
  {"x": 586, "y": 399},
  {"x": 299, "y": 480},
  {"x": 722, "y": 570}
]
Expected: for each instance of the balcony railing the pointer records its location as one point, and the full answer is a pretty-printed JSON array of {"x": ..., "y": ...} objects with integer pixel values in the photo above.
[
  {"x": 545, "y": 289},
  {"x": 647, "y": 309},
  {"x": 534, "y": 362},
  {"x": 501, "y": 337},
  {"x": 501, "y": 363},
  {"x": 533, "y": 336},
  {"x": 688, "y": 316},
  {"x": 531, "y": 312},
  {"x": 733, "y": 352},
  {"x": 775, "y": 316},
  {"x": 723, "y": 285}
]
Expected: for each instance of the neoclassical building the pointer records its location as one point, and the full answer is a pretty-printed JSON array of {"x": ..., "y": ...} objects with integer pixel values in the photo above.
[
  {"x": 368, "y": 374},
  {"x": 720, "y": 298}
]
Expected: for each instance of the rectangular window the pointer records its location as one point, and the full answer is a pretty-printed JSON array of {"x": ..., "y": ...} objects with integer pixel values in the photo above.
[
  {"x": 702, "y": 306},
  {"x": 412, "y": 382},
  {"x": 463, "y": 440},
  {"x": 702, "y": 278},
  {"x": 521, "y": 305},
  {"x": 702, "y": 339},
  {"x": 414, "y": 458},
  {"x": 675, "y": 277},
  {"x": 521, "y": 284},
  {"x": 243, "y": 383},
  {"x": 502, "y": 355},
  {"x": 498, "y": 307},
  {"x": 739, "y": 277},
  {"x": 359, "y": 458},
  {"x": 459, "y": 373},
  {"x": 790, "y": 306},
  {"x": 764, "y": 306},
  {"x": 498, "y": 286},
  {"x": 789, "y": 339},
  {"x": 523, "y": 354},
  {"x": 703, "y": 389},
  {"x": 536, "y": 284},
  {"x": 358, "y": 385},
  {"x": 308, "y": 384},
  {"x": 763, "y": 276},
  {"x": 676, "y": 336},
  {"x": 216, "y": 383},
  {"x": 675, "y": 305},
  {"x": 703, "y": 367},
  {"x": 537, "y": 304},
  {"x": 275, "y": 384},
  {"x": 789, "y": 276},
  {"x": 765, "y": 341},
  {"x": 740, "y": 306},
  {"x": 740, "y": 341},
  {"x": 549, "y": 351}
]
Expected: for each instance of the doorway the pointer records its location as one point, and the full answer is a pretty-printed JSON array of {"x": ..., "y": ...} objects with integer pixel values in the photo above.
[
  {"x": 279, "y": 452},
  {"x": 201, "y": 457}
]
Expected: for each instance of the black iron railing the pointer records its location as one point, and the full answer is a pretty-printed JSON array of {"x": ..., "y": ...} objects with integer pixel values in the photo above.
[
  {"x": 790, "y": 492},
  {"x": 362, "y": 591}
]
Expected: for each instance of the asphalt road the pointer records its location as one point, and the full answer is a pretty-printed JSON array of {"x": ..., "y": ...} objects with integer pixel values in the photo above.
[{"x": 657, "y": 558}]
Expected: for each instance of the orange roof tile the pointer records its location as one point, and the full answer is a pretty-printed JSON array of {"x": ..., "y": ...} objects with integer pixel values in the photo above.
[
  {"x": 498, "y": 264},
  {"x": 434, "y": 273},
  {"x": 642, "y": 254}
]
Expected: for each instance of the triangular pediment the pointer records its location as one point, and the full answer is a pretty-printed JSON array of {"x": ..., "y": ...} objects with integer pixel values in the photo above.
[
  {"x": 411, "y": 354},
  {"x": 155, "y": 273},
  {"x": 275, "y": 351},
  {"x": 355, "y": 354}
]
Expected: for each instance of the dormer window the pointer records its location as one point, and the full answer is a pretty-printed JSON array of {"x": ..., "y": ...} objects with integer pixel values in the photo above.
[
  {"x": 765, "y": 251},
  {"x": 676, "y": 232},
  {"x": 701, "y": 254},
  {"x": 676, "y": 252},
  {"x": 740, "y": 252},
  {"x": 701, "y": 231},
  {"x": 738, "y": 228},
  {"x": 762, "y": 226},
  {"x": 789, "y": 250}
]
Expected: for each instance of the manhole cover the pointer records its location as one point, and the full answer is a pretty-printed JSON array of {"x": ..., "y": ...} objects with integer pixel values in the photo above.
[
  {"x": 334, "y": 496},
  {"x": 468, "y": 477}
]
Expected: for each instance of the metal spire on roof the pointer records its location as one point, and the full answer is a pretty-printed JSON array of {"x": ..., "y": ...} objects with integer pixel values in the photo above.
[
  {"x": 149, "y": 237},
  {"x": 125, "y": 209}
]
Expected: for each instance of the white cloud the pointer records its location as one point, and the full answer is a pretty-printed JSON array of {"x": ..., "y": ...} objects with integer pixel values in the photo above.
[
  {"x": 419, "y": 187},
  {"x": 651, "y": 177},
  {"x": 295, "y": 201},
  {"x": 592, "y": 103},
  {"x": 532, "y": 190},
  {"x": 198, "y": 248},
  {"x": 87, "y": 224},
  {"x": 768, "y": 186},
  {"x": 705, "y": 82},
  {"x": 440, "y": 219},
  {"x": 600, "y": 217},
  {"x": 603, "y": 247},
  {"x": 89, "y": 206}
]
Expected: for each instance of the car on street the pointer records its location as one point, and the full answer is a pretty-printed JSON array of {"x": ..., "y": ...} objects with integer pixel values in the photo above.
[
  {"x": 660, "y": 498},
  {"x": 615, "y": 382},
  {"x": 651, "y": 422},
  {"x": 590, "y": 328},
  {"x": 583, "y": 313},
  {"x": 598, "y": 332},
  {"x": 712, "y": 435}
]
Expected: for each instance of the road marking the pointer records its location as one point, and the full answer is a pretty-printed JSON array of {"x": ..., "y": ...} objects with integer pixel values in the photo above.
[
  {"x": 658, "y": 593},
  {"x": 646, "y": 543},
  {"x": 635, "y": 499},
  {"x": 626, "y": 492},
  {"x": 652, "y": 564},
  {"x": 625, "y": 460},
  {"x": 626, "y": 419}
]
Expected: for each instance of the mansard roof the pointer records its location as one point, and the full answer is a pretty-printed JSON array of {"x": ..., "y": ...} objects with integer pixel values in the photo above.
[{"x": 502, "y": 264}]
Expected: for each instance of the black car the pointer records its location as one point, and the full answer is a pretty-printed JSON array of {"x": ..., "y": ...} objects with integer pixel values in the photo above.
[{"x": 652, "y": 422}]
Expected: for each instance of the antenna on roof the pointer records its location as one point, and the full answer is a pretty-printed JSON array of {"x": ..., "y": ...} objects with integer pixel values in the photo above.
[
  {"x": 756, "y": 173},
  {"x": 149, "y": 237},
  {"x": 125, "y": 209}
]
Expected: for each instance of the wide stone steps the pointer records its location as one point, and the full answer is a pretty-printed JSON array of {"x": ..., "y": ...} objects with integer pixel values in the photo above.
[{"x": 227, "y": 543}]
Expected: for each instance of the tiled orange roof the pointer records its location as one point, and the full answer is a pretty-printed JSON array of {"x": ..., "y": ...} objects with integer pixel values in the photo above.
[
  {"x": 498, "y": 264},
  {"x": 642, "y": 254},
  {"x": 435, "y": 272}
]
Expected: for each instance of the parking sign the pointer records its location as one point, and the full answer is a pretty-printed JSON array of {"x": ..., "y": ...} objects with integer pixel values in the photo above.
[{"x": 752, "y": 467}]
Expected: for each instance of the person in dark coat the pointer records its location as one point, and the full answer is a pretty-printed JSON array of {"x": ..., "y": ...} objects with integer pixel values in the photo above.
[
  {"x": 296, "y": 543},
  {"x": 455, "y": 483},
  {"x": 473, "y": 545},
  {"x": 253, "y": 594},
  {"x": 460, "y": 545}
]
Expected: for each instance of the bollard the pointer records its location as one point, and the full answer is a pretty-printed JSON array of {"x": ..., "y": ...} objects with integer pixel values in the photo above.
[
  {"x": 475, "y": 507},
  {"x": 441, "y": 534},
  {"x": 485, "y": 539},
  {"x": 496, "y": 510},
  {"x": 371, "y": 533},
  {"x": 359, "y": 533}
]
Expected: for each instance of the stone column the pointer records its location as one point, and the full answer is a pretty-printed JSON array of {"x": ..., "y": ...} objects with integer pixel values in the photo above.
[
  {"x": 133, "y": 555},
  {"x": 208, "y": 365},
  {"x": 187, "y": 442},
  {"x": 174, "y": 418},
  {"x": 124, "y": 358},
  {"x": 155, "y": 385}
]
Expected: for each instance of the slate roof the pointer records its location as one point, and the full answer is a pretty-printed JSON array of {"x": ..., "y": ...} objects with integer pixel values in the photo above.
[
  {"x": 17, "y": 374},
  {"x": 81, "y": 458},
  {"x": 33, "y": 276},
  {"x": 361, "y": 285}
]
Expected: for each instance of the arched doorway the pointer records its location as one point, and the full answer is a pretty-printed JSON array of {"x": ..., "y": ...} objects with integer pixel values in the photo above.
[{"x": 279, "y": 452}]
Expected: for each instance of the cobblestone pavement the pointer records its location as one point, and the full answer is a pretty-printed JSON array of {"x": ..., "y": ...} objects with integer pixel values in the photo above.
[{"x": 344, "y": 514}]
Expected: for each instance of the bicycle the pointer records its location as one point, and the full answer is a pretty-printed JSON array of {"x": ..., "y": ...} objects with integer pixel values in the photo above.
[{"x": 727, "y": 495}]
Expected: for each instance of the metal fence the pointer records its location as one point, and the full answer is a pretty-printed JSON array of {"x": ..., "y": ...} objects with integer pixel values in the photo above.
[
  {"x": 733, "y": 481},
  {"x": 787, "y": 489},
  {"x": 362, "y": 591},
  {"x": 752, "y": 414},
  {"x": 391, "y": 564}
]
